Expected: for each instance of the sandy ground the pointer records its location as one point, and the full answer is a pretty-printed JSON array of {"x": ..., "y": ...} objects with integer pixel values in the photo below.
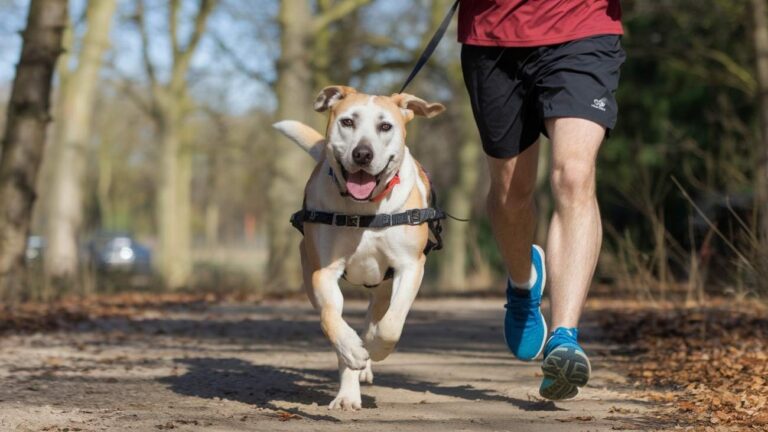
[{"x": 267, "y": 367}]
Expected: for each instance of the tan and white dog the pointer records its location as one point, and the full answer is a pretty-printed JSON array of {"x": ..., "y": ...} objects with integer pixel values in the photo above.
[{"x": 359, "y": 159}]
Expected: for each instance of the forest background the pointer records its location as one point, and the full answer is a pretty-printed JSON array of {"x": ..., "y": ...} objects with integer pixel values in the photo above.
[{"x": 161, "y": 114}]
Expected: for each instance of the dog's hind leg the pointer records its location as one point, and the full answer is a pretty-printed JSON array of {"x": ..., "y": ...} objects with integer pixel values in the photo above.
[
  {"x": 366, "y": 375},
  {"x": 388, "y": 329},
  {"x": 348, "y": 397},
  {"x": 377, "y": 308},
  {"x": 306, "y": 269}
]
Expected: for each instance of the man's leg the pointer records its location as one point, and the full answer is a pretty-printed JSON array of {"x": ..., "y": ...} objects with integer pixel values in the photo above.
[
  {"x": 573, "y": 245},
  {"x": 513, "y": 218},
  {"x": 511, "y": 209},
  {"x": 575, "y": 232}
]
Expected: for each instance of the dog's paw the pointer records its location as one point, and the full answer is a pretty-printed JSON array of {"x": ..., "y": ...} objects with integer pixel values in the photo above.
[
  {"x": 366, "y": 375},
  {"x": 345, "y": 401},
  {"x": 353, "y": 352}
]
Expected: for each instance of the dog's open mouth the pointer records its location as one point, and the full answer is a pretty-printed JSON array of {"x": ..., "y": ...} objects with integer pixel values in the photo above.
[{"x": 361, "y": 184}]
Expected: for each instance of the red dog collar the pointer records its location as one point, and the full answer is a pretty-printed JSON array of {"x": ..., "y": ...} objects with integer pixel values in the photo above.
[{"x": 391, "y": 185}]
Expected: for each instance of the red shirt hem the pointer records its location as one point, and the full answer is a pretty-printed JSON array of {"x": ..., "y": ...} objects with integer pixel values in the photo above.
[{"x": 470, "y": 40}]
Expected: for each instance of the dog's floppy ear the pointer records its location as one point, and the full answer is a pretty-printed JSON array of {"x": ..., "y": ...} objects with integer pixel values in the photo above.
[
  {"x": 416, "y": 106},
  {"x": 330, "y": 96}
]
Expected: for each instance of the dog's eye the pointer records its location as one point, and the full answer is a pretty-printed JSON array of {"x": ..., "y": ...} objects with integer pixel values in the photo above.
[
  {"x": 347, "y": 122},
  {"x": 385, "y": 127}
]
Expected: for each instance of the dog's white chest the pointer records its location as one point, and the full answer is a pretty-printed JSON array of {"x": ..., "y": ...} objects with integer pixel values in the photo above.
[{"x": 368, "y": 263}]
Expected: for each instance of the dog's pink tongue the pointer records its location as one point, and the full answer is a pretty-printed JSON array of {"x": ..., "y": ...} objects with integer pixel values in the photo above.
[{"x": 360, "y": 184}]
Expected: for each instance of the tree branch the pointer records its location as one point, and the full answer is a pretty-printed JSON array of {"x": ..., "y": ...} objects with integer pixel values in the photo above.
[
  {"x": 336, "y": 12},
  {"x": 173, "y": 18},
  {"x": 238, "y": 63},
  {"x": 181, "y": 61},
  {"x": 125, "y": 86},
  {"x": 148, "y": 66}
]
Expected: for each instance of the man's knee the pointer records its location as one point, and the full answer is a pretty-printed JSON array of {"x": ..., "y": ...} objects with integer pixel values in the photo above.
[{"x": 573, "y": 182}]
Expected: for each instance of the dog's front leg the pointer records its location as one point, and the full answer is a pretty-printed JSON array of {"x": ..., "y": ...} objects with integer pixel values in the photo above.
[
  {"x": 383, "y": 335},
  {"x": 348, "y": 397},
  {"x": 331, "y": 303},
  {"x": 352, "y": 356}
]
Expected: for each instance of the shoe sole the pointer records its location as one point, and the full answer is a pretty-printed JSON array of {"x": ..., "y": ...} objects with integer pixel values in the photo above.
[
  {"x": 569, "y": 368},
  {"x": 543, "y": 285}
]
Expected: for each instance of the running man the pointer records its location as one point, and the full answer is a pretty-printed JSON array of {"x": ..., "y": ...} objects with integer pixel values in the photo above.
[{"x": 552, "y": 67}]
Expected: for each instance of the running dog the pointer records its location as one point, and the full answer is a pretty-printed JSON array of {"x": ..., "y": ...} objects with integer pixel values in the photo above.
[{"x": 365, "y": 205}]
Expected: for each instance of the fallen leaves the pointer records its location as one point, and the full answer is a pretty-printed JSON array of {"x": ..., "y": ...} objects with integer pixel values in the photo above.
[
  {"x": 285, "y": 416},
  {"x": 34, "y": 317},
  {"x": 709, "y": 365},
  {"x": 576, "y": 419}
]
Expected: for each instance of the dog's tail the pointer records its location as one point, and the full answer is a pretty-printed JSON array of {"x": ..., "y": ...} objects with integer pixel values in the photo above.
[{"x": 307, "y": 138}]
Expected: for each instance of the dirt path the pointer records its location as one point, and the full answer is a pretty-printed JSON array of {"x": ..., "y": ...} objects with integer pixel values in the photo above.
[{"x": 267, "y": 367}]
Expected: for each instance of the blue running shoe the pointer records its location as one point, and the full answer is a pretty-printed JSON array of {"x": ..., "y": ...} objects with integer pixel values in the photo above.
[
  {"x": 566, "y": 367},
  {"x": 524, "y": 327}
]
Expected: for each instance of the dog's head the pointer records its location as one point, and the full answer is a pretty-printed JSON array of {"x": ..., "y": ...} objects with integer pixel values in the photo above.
[{"x": 366, "y": 136}]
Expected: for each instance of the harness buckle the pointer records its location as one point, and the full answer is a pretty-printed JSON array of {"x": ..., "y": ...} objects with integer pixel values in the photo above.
[
  {"x": 414, "y": 217},
  {"x": 353, "y": 221}
]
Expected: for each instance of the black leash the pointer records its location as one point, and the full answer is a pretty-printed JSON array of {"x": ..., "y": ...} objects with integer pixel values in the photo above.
[{"x": 433, "y": 43}]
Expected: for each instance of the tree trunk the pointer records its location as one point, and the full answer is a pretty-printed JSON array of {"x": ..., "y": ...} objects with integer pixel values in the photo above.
[
  {"x": 291, "y": 166},
  {"x": 69, "y": 150},
  {"x": 104, "y": 182},
  {"x": 174, "y": 259},
  {"x": 453, "y": 269},
  {"x": 170, "y": 105},
  {"x": 453, "y": 266},
  {"x": 212, "y": 221},
  {"x": 27, "y": 118},
  {"x": 760, "y": 35}
]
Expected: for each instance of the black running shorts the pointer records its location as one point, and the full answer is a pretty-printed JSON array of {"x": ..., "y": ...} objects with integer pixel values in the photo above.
[{"x": 512, "y": 90}]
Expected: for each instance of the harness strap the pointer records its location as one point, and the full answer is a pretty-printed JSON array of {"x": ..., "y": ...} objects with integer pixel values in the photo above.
[
  {"x": 409, "y": 217},
  {"x": 432, "y": 216}
]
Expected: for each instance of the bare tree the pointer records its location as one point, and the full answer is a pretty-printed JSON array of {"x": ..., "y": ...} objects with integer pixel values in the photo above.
[
  {"x": 299, "y": 27},
  {"x": 68, "y": 150},
  {"x": 169, "y": 107},
  {"x": 453, "y": 266},
  {"x": 22, "y": 147}
]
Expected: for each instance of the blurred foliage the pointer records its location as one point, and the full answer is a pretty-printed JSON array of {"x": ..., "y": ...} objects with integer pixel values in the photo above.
[{"x": 688, "y": 111}]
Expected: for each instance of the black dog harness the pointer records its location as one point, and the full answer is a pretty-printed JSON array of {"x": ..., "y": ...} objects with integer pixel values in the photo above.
[{"x": 432, "y": 216}]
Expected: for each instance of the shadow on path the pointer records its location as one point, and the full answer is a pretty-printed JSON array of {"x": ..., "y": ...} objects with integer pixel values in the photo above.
[{"x": 265, "y": 385}]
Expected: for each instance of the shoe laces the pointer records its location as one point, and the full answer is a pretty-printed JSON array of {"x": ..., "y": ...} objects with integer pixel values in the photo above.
[
  {"x": 522, "y": 307},
  {"x": 560, "y": 336}
]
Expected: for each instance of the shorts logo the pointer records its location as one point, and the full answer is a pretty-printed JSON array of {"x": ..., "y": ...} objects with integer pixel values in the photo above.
[{"x": 599, "y": 104}]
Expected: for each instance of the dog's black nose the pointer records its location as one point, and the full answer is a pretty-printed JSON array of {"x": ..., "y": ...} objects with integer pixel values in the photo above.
[{"x": 362, "y": 154}]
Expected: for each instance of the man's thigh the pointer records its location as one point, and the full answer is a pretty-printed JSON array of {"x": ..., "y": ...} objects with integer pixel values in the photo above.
[{"x": 574, "y": 140}]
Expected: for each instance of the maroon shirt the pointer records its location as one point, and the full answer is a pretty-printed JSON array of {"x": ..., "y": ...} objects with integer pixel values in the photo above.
[{"x": 524, "y": 23}]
